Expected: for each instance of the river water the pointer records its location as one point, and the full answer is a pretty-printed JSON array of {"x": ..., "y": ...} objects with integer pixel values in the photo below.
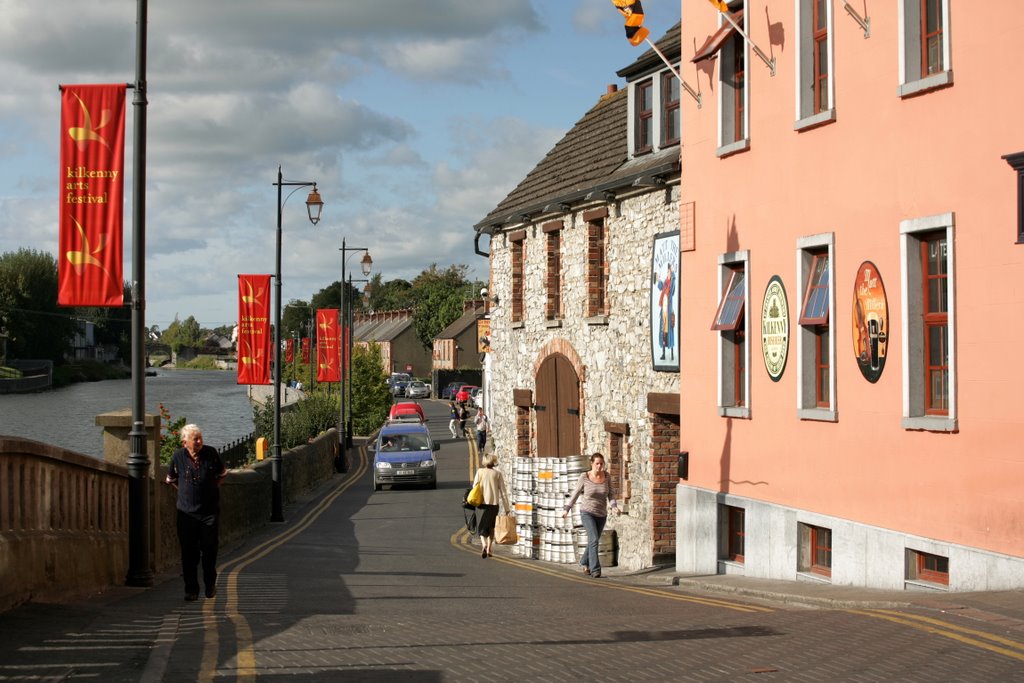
[{"x": 67, "y": 417}]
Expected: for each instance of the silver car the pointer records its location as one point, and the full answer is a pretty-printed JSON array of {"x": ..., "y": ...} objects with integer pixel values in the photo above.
[{"x": 417, "y": 389}]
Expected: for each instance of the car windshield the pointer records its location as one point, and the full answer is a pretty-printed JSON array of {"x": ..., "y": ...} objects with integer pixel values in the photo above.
[{"x": 404, "y": 442}]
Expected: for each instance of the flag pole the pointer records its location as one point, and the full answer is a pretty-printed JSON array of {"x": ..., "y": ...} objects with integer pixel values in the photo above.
[
  {"x": 686, "y": 86},
  {"x": 753, "y": 45}
]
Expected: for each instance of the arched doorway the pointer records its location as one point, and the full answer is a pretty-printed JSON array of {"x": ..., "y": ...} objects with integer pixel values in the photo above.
[{"x": 557, "y": 408}]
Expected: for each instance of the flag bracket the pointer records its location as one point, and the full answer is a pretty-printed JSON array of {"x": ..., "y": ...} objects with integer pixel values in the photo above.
[
  {"x": 865, "y": 22},
  {"x": 686, "y": 86},
  {"x": 770, "y": 62}
]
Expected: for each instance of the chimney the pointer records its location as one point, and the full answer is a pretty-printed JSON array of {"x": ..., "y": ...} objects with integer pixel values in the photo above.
[{"x": 612, "y": 89}]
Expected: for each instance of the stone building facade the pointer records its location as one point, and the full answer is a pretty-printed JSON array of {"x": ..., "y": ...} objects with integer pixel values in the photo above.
[{"x": 572, "y": 368}]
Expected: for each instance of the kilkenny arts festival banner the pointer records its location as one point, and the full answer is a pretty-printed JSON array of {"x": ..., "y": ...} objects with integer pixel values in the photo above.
[
  {"x": 328, "y": 356},
  {"x": 91, "y": 195},
  {"x": 254, "y": 343}
]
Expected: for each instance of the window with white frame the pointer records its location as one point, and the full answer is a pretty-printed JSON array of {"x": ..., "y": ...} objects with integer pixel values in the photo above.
[
  {"x": 731, "y": 323},
  {"x": 928, "y": 305},
  {"x": 654, "y": 123},
  {"x": 733, "y": 91},
  {"x": 815, "y": 91},
  {"x": 925, "y": 58},
  {"x": 816, "y": 349}
]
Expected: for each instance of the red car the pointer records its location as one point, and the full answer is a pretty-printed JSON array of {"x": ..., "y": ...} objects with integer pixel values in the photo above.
[
  {"x": 463, "y": 395},
  {"x": 407, "y": 412}
]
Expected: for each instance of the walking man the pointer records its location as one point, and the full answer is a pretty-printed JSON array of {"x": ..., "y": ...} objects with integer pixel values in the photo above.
[
  {"x": 196, "y": 472},
  {"x": 482, "y": 425},
  {"x": 453, "y": 421}
]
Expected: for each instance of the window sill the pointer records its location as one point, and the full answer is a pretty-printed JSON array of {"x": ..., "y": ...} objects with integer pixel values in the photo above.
[
  {"x": 820, "y": 119},
  {"x": 919, "y": 585},
  {"x": 517, "y": 324},
  {"x": 818, "y": 414},
  {"x": 812, "y": 577},
  {"x": 930, "y": 423},
  {"x": 731, "y": 567},
  {"x": 596, "y": 320},
  {"x": 733, "y": 148},
  {"x": 942, "y": 79},
  {"x": 734, "y": 411},
  {"x": 557, "y": 322}
]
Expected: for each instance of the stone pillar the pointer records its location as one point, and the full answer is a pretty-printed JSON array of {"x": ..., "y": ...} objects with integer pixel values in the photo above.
[{"x": 116, "y": 425}]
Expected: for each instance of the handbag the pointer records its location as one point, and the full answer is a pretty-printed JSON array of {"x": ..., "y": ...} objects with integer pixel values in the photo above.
[
  {"x": 475, "y": 497},
  {"x": 505, "y": 530}
]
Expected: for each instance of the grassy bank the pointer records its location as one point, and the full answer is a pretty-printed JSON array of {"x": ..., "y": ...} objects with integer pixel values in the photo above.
[{"x": 87, "y": 371}]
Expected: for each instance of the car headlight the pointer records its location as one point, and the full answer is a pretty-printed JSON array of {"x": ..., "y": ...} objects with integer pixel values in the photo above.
[
  {"x": 427, "y": 463},
  {"x": 383, "y": 465}
]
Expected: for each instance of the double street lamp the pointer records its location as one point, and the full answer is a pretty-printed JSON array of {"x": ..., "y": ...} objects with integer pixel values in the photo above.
[
  {"x": 314, "y": 205},
  {"x": 344, "y": 323}
]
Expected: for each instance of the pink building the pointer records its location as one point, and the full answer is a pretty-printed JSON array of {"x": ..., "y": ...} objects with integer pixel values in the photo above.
[{"x": 851, "y": 231}]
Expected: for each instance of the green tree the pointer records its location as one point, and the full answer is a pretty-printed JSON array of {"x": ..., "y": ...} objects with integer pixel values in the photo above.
[
  {"x": 179, "y": 335},
  {"x": 295, "y": 319},
  {"x": 439, "y": 296},
  {"x": 112, "y": 325},
  {"x": 370, "y": 399},
  {"x": 36, "y": 326},
  {"x": 389, "y": 296}
]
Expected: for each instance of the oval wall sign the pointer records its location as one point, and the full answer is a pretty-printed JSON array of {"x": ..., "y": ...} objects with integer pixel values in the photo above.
[
  {"x": 775, "y": 328},
  {"x": 870, "y": 321}
]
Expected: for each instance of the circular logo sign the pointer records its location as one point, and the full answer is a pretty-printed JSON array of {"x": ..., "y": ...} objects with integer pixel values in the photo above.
[
  {"x": 775, "y": 328},
  {"x": 870, "y": 321}
]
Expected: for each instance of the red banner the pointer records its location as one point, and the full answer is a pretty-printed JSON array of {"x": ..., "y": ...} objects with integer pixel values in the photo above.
[
  {"x": 254, "y": 344},
  {"x": 305, "y": 350},
  {"x": 91, "y": 196},
  {"x": 289, "y": 350},
  {"x": 327, "y": 357}
]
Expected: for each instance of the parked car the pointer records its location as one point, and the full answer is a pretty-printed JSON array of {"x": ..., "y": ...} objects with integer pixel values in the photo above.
[
  {"x": 417, "y": 389},
  {"x": 407, "y": 412},
  {"x": 448, "y": 393},
  {"x": 476, "y": 397},
  {"x": 398, "y": 387},
  {"x": 404, "y": 454},
  {"x": 462, "y": 396}
]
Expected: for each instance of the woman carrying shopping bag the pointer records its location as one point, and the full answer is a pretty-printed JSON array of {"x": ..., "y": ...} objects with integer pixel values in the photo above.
[
  {"x": 596, "y": 488},
  {"x": 492, "y": 483}
]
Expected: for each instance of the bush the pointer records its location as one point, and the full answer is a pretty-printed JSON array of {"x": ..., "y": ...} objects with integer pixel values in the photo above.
[
  {"x": 371, "y": 399},
  {"x": 299, "y": 422}
]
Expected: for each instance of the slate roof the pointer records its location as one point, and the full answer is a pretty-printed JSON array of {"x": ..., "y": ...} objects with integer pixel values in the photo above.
[
  {"x": 460, "y": 325},
  {"x": 593, "y": 156}
]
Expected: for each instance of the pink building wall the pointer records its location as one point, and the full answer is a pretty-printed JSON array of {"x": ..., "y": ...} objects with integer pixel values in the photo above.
[{"x": 885, "y": 159}]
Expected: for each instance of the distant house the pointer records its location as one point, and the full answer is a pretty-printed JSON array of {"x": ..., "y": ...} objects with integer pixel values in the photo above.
[
  {"x": 394, "y": 332},
  {"x": 84, "y": 346},
  {"x": 456, "y": 345}
]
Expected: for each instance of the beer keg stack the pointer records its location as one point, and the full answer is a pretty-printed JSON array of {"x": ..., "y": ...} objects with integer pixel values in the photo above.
[{"x": 541, "y": 488}]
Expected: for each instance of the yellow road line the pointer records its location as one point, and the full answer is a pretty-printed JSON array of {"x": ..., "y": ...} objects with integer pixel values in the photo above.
[
  {"x": 246, "y": 653},
  {"x": 947, "y": 630},
  {"x": 461, "y": 540}
]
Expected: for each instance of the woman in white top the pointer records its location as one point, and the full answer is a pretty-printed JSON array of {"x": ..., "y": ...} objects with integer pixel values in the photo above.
[{"x": 492, "y": 483}]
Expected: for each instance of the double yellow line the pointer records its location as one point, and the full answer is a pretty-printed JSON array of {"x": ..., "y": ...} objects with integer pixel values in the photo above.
[
  {"x": 968, "y": 636},
  {"x": 246, "y": 653}
]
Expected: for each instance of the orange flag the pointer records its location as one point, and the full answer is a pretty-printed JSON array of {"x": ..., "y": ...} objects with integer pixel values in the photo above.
[
  {"x": 633, "y": 11},
  {"x": 91, "y": 195},
  {"x": 328, "y": 358},
  {"x": 720, "y": 5},
  {"x": 254, "y": 343}
]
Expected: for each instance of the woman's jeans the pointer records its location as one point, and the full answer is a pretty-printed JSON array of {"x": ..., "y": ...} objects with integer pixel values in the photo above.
[{"x": 594, "y": 526}]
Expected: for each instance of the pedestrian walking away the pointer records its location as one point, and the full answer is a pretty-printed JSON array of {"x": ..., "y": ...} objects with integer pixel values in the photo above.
[
  {"x": 453, "y": 421},
  {"x": 196, "y": 472},
  {"x": 492, "y": 483},
  {"x": 595, "y": 487},
  {"x": 463, "y": 416},
  {"x": 483, "y": 425}
]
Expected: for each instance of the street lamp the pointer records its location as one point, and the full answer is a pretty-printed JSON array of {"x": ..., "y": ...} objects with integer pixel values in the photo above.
[
  {"x": 367, "y": 265},
  {"x": 314, "y": 205},
  {"x": 348, "y": 371}
]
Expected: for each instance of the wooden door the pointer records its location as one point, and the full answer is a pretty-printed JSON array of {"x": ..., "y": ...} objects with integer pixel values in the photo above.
[{"x": 557, "y": 408}]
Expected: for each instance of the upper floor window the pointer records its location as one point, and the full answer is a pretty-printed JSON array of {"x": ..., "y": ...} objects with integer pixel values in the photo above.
[
  {"x": 597, "y": 262},
  {"x": 518, "y": 240},
  {"x": 925, "y": 46},
  {"x": 731, "y": 323},
  {"x": 732, "y": 92},
  {"x": 814, "y": 64},
  {"x": 669, "y": 109},
  {"x": 644, "y": 117},
  {"x": 815, "y": 347},
  {"x": 929, "y": 347},
  {"x": 553, "y": 307}
]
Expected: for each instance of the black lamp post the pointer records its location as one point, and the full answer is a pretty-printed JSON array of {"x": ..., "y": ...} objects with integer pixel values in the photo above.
[
  {"x": 344, "y": 324},
  {"x": 348, "y": 356},
  {"x": 314, "y": 205}
]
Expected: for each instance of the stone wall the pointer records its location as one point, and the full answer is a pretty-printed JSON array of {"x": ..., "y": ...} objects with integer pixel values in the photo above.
[{"x": 613, "y": 351}]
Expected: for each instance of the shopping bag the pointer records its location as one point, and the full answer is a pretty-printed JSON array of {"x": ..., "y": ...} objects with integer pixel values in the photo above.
[
  {"x": 475, "y": 497},
  {"x": 505, "y": 530}
]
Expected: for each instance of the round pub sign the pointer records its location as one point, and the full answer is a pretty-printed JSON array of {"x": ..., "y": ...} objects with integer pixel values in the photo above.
[
  {"x": 870, "y": 321},
  {"x": 775, "y": 328}
]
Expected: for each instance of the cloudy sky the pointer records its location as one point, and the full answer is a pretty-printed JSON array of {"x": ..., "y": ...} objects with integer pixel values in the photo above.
[{"x": 415, "y": 117}]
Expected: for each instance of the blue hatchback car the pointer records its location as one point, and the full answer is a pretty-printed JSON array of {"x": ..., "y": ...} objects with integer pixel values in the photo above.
[{"x": 404, "y": 454}]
